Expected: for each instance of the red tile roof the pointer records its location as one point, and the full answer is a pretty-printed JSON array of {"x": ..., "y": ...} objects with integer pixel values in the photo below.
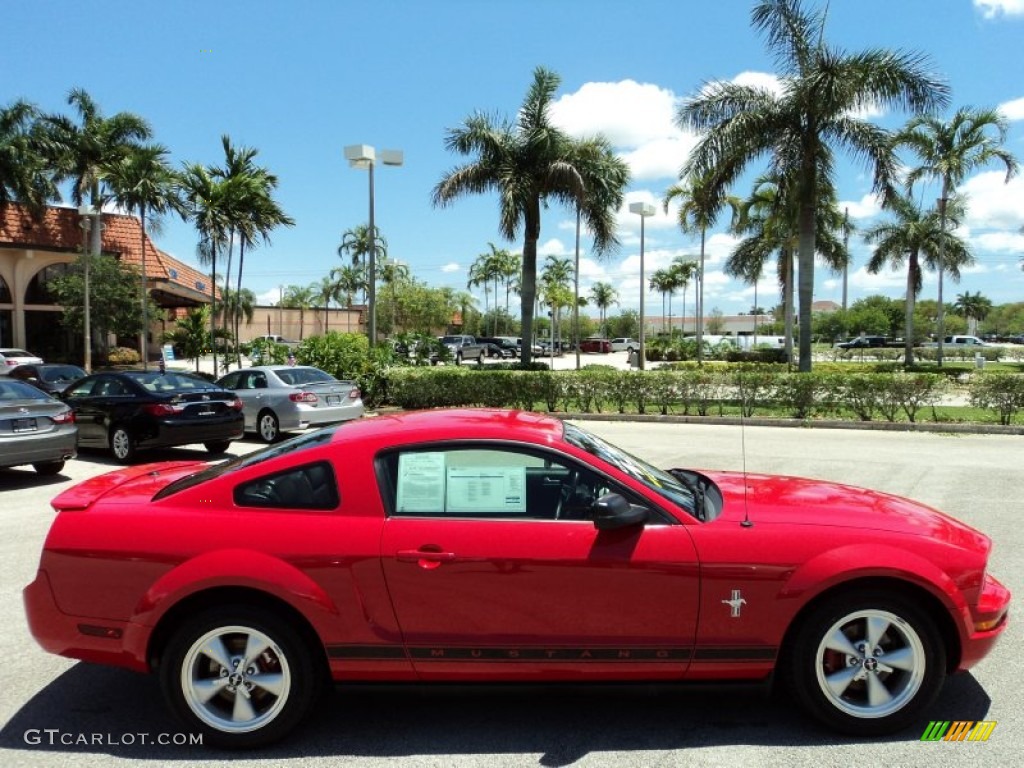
[{"x": 60, "y": 230}]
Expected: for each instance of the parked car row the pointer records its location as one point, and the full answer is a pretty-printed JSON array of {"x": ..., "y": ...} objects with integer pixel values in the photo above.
[{"x": 48, "y": 411}]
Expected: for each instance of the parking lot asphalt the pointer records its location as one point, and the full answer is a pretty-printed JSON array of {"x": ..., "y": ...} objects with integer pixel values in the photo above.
[{"x": 973, "y": 477}]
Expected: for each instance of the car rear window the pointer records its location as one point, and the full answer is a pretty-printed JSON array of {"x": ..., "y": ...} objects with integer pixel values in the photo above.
[
  {"x": 155, "y": 381},
  {"x": 15, "y": 353},
  {"x": 293, "y": 376},
  {"x": 19, "y": 390}
]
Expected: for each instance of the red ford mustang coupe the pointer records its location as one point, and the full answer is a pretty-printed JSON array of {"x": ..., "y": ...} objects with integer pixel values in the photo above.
[{"x": 503, "y": 546}]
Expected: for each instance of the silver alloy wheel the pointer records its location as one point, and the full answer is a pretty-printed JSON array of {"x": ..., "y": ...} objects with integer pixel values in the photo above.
[
  {"x": 870, "y": 664},
  {"x": 121, "y": 443},
  {"x": 268, "y": 427},
  {"x": 235, "y": 679}
]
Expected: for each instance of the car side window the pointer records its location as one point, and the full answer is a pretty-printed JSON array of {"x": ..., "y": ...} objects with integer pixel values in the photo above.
[
  {"x": 233, "y": 381},
  {"x": 312, "y": 486},
  {"x": 489, "y": 483}
]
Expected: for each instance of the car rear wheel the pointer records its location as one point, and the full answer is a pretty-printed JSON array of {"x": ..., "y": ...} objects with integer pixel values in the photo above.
[
  {"x": 240, "y": 676},
  {"x": 867, "y": 664},
  {"x": 268, "y": 427},
  {"x": 122, "y": 445},
  {"x": 48, "y": 467},
  {"x": 217, "y": 446}
]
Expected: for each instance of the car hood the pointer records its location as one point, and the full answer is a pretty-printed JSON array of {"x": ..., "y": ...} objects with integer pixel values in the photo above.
[
  {"x": 138, "y": 484},
  {"x": 774, "y": 499}
]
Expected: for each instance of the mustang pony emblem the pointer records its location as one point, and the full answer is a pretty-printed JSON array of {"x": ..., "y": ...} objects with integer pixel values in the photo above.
[{"x": 735, "y": 603}]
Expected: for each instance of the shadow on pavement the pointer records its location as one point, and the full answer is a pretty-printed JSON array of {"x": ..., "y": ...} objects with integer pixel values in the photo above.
[{"x": 561, "y": 723}]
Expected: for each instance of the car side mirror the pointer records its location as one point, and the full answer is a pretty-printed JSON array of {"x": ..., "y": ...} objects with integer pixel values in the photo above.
[{"x": 612, "y": 511}]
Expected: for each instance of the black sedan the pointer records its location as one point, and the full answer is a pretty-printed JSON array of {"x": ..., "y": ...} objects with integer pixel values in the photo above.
[
  {"x": 130, "y": 410},
  {"x": 49, "y": 377}
]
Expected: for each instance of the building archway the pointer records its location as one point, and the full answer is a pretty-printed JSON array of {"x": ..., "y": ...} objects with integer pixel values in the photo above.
[{"x": 6, "y": 314}]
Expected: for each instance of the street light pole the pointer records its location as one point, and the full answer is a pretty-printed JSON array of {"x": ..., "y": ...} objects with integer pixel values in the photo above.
[
  {"x": 88, "y": 213},
  {"x": 365, "y": 156},
  {"x": 643, "y": 210}
]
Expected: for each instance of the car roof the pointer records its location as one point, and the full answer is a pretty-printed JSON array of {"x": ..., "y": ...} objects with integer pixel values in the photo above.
[{"x": 454, "y": 424}]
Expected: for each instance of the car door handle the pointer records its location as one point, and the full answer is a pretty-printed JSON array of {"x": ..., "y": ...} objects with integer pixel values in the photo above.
[{"x": 425, "y": 558}]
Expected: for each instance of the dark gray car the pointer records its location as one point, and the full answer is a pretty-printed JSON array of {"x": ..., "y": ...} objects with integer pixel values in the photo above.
[{"x": 35, "y": 428}]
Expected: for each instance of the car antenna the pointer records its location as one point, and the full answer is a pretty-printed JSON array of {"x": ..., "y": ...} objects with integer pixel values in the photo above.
[{"x": 747, "y": 522}]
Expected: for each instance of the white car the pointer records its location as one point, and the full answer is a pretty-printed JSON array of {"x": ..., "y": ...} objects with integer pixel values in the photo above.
[
  {"x": 12, "y": 356},
  {"x": 625, "y": 344}
]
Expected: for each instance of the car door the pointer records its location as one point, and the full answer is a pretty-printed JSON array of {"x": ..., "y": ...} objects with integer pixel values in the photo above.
[
  {"x": 496, "y": 572},
  {"x": 83, "y": 398}
]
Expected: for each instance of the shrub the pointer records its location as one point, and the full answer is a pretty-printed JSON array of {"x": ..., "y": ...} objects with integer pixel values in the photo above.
[
  {"x": 123, "y": 356},
  {"x": 1001, "y": 392}
]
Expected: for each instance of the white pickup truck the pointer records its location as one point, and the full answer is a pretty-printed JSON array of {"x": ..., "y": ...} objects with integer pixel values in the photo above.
[{"x": 957, "y": 341}]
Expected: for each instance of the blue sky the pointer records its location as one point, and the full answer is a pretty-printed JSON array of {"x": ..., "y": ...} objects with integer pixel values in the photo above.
[{"x": 300, "y": 80}]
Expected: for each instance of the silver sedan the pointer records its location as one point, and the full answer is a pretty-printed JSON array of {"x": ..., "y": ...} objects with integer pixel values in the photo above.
[
  {"x": 284, "y": 398},
  {"x": 35, "y": 428}
]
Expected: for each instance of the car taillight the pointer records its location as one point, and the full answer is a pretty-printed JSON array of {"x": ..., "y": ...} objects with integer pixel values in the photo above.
[
  {"x": 354, "y": 394},
  {"x": 236, "y": 404},
  {"x": 162, "y": 409},
  {"x": 68, "y": 417},
  {"x": 302, "y": 397},
  {"x": 11, "y": 362}
]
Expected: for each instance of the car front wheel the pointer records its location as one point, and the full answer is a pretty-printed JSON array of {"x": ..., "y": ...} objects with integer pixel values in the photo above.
[
  {"x": 122, "y": 445},
  {"x": 217, "y": 446},
  {"x": 867, "y": 664},
  {"x": 240, "y": 676},
  {"x": 268, "y": 427}
]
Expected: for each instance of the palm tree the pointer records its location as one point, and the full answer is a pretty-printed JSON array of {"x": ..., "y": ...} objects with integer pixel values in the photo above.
[
  {"x": 191, "y": 334},
  {"x": 510, "y": 269},
  {"x": 84, "y": 150},
  {"x": 80, "y": 152},
  {"x": 482, "y": 272},
  {"x": 391, "y": 274},
  {"x": 557, "y": 274},
  {"x": 529, "y": 163},
  {"x": 912, "y": 235},
  {"x": 356, "y": 244},
  {"x": 683, "y": 271},
  {"x": 26, "y": 175},
  {"x": 603, "y": 295},
  {"x": 350, "y": 280},
  {"x": 948, "y": 151},
  {"x": 299, "y": 297},
  {"x": 144, "y": 181},
  {"x": 800, "y": 128},
  {"x": 662, "y": 282},
  {"x": 235, "y": 305},
  {"x": 207, "y": 204},
  {"x": 974, "y": 307},
  {"x": 252, "y": 211}
]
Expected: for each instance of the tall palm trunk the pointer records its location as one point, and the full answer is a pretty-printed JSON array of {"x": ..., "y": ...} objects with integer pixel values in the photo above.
[
  {"x": 144, "y": 296},
  {"x": 787, "y": 302},
  {"x": 213, "y": 303},
  {"x": 238, "y": 294},
  {"x": 908, "y": 331},
  {"x": 808, "y": 239},
  {"x": 227, "y": 322},
  {"x": 532, "y": 229}
]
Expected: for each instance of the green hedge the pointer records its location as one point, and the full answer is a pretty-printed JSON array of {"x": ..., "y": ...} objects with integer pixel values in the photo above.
[{"x": 700, "y": 391}]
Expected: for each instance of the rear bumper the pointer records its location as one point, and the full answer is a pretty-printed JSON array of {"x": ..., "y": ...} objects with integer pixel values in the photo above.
[
  {"x": 100, "y": 641},
  {"x": 991, "y": 617},
  {"x": 40, "y": 448},
  {"x": 171, "y": 434}
]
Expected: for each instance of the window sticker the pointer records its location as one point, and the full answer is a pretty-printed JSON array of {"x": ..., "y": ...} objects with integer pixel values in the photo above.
[
  {"x": 487, "y": 490},
  {"x": 421, "y": 482}
]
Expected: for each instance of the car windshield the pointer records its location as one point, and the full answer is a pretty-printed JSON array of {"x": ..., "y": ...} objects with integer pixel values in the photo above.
[
  {"x": 659, "y": 481},
  {"x": 299, "y": 443},
  {"x": 61, "y": 373},
  {"x": 15, "y": 353},
  {"x": 298, "y": 376}
]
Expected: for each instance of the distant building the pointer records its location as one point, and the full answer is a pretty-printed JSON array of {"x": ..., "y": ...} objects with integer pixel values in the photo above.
[{"x": 32, "y": 253}]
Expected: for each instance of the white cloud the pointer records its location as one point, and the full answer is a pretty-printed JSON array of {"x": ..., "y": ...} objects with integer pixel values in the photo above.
[
  {"x": 451, "y": 266},
  {"x": 268, "y": 298},
  {"x": 1000, "y": 242},
  {"x": 552, "y": 247},
  {"x": 888, "y": 280},
  {"x": 1013, "y": 110},
  {"x": 992, "y": 8},
  {"x": 867, "y": 207},
  {"x": 637, "y": 118},
  {"x": 763, "y": 80},
  {"x": 993, "y": 204}
]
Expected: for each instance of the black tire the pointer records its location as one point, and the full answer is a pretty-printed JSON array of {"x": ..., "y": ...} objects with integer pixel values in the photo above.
[
  {"x": 217, "y": 446},
  {"x": 48, "y": 468},
  {"x": 291, "y": 681},
  {"x": 268, "y": 426},
  {"x": 122, "y": 444},
  {"x": 900, "y": 693},
  {"x": 458, "y": 358}
]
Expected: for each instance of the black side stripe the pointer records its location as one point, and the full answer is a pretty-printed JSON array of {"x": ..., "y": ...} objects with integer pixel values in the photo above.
[{"x": 545, "y": 654}]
